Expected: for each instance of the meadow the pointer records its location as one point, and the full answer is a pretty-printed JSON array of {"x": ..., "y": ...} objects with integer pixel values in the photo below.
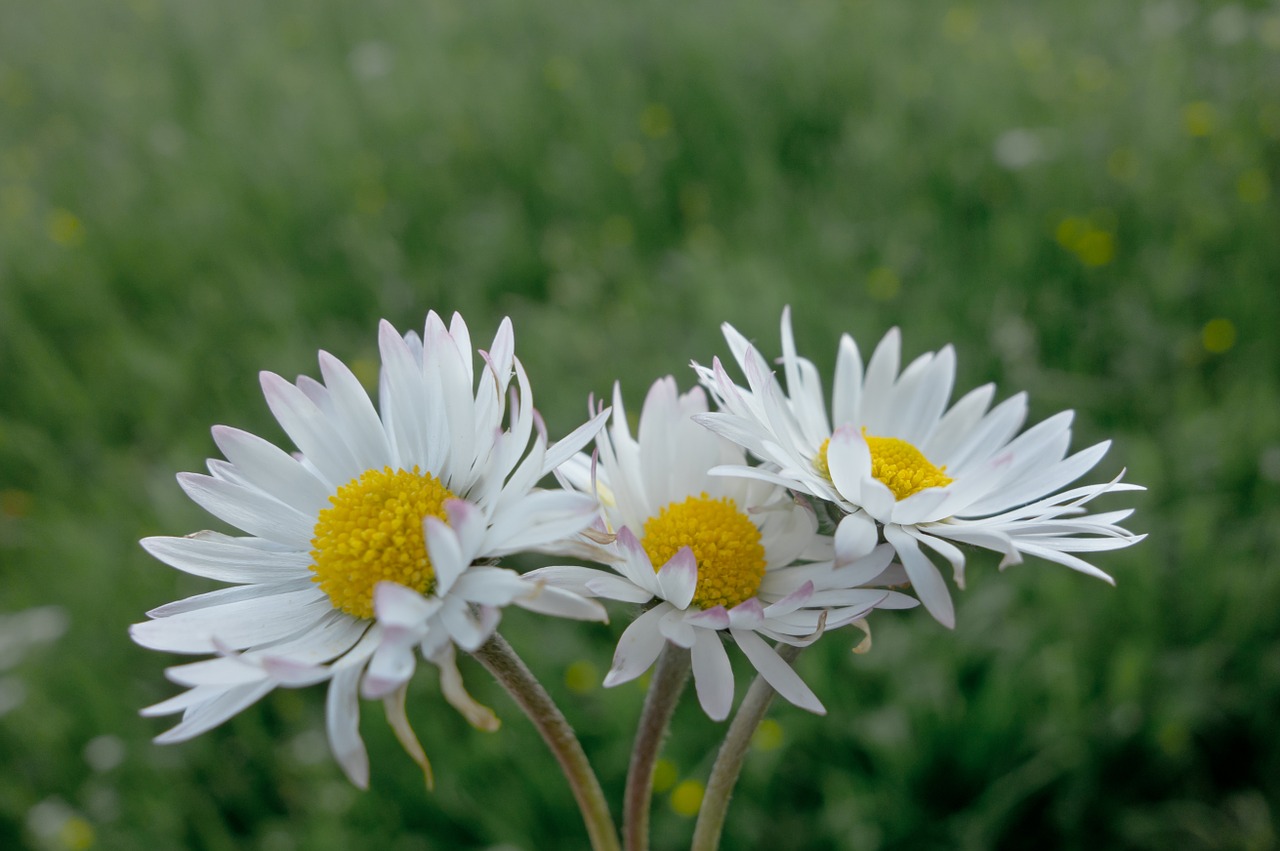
[{"x": 1082, "y": 198}]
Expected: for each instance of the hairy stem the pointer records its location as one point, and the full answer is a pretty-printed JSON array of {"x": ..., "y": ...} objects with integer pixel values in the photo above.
[
  {"x": 724, "y": 774},
  {"x": 507, "y": 668},
  {"x": 669, "y": 677}
]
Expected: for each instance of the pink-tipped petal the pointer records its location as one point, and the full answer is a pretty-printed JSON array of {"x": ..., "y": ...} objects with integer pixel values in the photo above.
[{"x": 678, "y": 578}]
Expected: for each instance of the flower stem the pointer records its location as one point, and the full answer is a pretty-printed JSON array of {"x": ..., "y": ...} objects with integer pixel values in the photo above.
[
  {"x": 498, "y": 657},
  {"x": 728, "y": 765},
  {"x": 668, "y": 681}
]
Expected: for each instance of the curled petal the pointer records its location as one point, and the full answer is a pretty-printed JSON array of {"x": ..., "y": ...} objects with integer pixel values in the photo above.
[
  {"x": 479, "y": 716},
  {"x": 399, "y": 721}
]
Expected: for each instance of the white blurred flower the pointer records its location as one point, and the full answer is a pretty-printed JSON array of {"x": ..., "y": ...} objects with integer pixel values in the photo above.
[
  {"x": 19, "y": 633},
  {"x": 365, "y": 546}
]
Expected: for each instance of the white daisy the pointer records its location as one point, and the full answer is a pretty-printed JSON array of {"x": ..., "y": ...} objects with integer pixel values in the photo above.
[
  {"x": 901, "y": 464},
  {"x": 716, "y": 553},
  {"x": 381, "y": 515}
]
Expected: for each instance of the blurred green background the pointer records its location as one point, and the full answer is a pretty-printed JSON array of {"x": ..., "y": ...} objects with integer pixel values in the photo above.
[{"x": 1081, "y": 197}]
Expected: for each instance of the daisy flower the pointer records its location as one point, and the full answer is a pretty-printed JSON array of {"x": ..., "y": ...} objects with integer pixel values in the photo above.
[
  {"x": 712, "y": 557},
  {"x": 899, "y": 463},
  {"x": 364, "y": 546}
]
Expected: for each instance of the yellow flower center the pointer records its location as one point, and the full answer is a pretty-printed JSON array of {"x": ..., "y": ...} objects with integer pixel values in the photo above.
[
  {"x": 724, "y": 541},
  {"x": 902, "y": 467},
  {"x": 372, "y": 531}
]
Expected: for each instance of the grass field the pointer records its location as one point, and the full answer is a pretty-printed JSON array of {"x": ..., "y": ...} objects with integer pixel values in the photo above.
[{"x": 1082, "y": 198}]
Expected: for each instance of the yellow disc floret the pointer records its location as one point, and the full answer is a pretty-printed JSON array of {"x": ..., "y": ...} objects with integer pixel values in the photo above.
[
  {"x": 372, "y": 531},
  {"x": 724, "y": 541},
  {"x": 902, "y": 467},
  {"x": 820, "y": 460}
]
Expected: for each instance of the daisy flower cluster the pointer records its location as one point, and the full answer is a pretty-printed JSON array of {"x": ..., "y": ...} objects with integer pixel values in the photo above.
[{"x": 742, "y": 515}]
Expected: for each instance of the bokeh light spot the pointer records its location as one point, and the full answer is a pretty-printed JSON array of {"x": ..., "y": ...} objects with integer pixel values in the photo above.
[
  {"x": 655, "y": 121},
  {"x": 65, "y": 228},
  {"x": 883, "y": 283},
  {"x": 665, "y": 775},
  {"x": 581, "y": 677},
  {"x": 768, "y": 736},
  {"x": 1253, "y": 187},
  {"x": 686, "y": 798},
  {"x": 1199, "y": 118},
  {"x": 1218, "y": 335}
]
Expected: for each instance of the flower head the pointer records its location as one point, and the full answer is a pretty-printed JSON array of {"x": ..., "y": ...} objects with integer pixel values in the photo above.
[
  {"x": 364, "y": 547},
  {"x": 900, "y": 463},
  {"x": 712, "y": 557}
]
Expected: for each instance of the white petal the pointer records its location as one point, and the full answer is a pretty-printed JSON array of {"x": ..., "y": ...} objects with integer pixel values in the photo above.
[
  {"x": 712, "y": 675},
  {"x": 540, "y": 519},
  {"x": 928, "y": 583},
  {"x": 716, "y": 617},
  {"x": 342, "y": 721},
  {"x": 636, "y": 565},
  {"x": 208, "y": 715},
  {"x": 928, "y": 504},
  {"x": 1077, "y": 564},
  {"x": 674, "y": 628},
  {"x": 310, "y": 430},
  {"x": 491, "y": 586},
  {"x": 865, "y": 570},
  {"x": 956, "y": 423},
  {"x": 462, "y": 339},
  {"x": 361, "y": 428},
  {"x": 416, "y": 427},
  {"x": 922, "y": 409},
  {"x": 777, "y": 672},
  {"x": 565, "y": 448},
  {"x": 391, "y": 667},
  {"x": 249, "y": 509},
  {"x": 855, "y": 537},
  {"x": 791, "y": 602},
  {"x": 223, "y": 596},
  {"x": 947, "y": 550},
  {"x": 860, "y": 598},
  {"x": 451, "y": 367},
  {"x": 746, "y": 615},
  {"x": 988, "y": 437},
  {"x": 549, "y": 600},
  {"x": 227, "y": 559},
  {"x": 398, "y": 606},
  {"x": 638, "y": 647},
  {"x": 846, "y": 393},
  {"x": 467, "y": 631},
  {"x": 236, "y": 625},
  {"x": 445, "y": 550},
  {"x": 272, "y": 470},
  {"x": 590, "y": 582},
  {"x": 877, "y": 387},
  {"x": 1044, "y": 480},
  {"x": 849, "y": 460}
]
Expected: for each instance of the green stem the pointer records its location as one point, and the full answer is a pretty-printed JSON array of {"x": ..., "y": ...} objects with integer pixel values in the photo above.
[
  {"x": 669, "y": 678},
  {"x": 724, "y": 774},
  {"x": 507, "y": 668}
]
